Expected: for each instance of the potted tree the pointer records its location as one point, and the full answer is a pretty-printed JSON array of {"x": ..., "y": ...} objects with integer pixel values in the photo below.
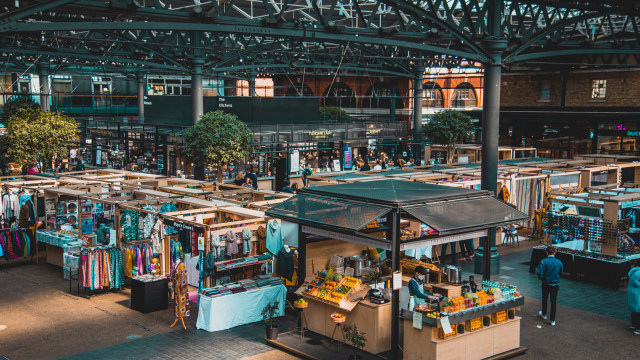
[
  {"x": 356, "y": 338},
  {"x": 269, "y": 317},
  {"x": 375, "y": 275}
]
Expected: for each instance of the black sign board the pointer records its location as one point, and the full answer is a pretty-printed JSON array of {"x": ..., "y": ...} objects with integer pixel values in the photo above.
[{"x": 183, "y": 226}]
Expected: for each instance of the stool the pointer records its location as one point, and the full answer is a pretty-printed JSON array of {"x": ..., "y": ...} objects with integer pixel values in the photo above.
[
  {"x": 301, "y": 321},
  {"x": 340, "y": 339}
]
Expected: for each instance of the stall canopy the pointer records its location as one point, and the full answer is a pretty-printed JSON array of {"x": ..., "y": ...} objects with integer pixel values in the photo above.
[{"x": 351, "y": 207}]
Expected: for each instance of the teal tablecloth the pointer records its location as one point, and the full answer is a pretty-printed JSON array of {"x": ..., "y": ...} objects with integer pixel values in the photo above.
[{"x": 225, "y": 312}]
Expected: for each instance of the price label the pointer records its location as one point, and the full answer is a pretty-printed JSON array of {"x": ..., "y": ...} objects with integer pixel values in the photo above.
[
  {"x": 446, "y": 327},
  {"x": 417, "y": 320},
  {"x": 397, "y": 280},
  {"x": 200, "y": 243}
]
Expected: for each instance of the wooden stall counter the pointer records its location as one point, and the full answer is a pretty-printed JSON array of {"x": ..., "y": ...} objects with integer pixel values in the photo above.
[
  {"x": 424, "y": 344},
  {"x": 372, "y": 318}
]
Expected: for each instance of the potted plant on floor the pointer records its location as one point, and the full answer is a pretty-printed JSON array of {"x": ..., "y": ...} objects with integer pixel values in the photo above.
[
  {"x": 269, "y": 317},
  {"x": 356, "y": 338}
]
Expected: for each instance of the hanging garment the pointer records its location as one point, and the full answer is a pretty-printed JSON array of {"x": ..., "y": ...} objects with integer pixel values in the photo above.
[
  {"x": 284, "y": 263},
  {"x": 209, "y": 265},
  {"x": 274, "y": 237},
  {"x": 180, "y": 291},
  {"x": 246, "y": 241},
  {"x": 232, "y": 243},
  {"x": 148, "y": 221},
  {"x": 215, "y": 244},
  {"x": 165, "y": 208},
  {"x": 130, "y": 224},
  {"x": 262, "y": 239},
  {"x": 194, "y": 244},
  {"x": 185, "y": 240},
  {"x": 157, "y": 234}
]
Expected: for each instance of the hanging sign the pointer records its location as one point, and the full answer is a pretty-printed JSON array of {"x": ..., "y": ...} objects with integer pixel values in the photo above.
[
  {"x": 397, "y": 280},
  {"x": 183, "y": 226},
  {"x": 417, "y": 320},
  {"x": 200, "y": 243},
  {"x": 446, "y": 326}
]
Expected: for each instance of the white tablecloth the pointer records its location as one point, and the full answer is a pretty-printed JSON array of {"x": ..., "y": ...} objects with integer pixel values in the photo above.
[{"x": 225, "y": 312}]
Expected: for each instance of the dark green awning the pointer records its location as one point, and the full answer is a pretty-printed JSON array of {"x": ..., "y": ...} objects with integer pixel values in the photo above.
[
  {"x": 324, "y": 211},
  {"x": 466, "y": 214}
]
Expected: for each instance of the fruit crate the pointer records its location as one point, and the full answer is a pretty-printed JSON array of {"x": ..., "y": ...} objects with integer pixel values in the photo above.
[
  {"x": 473, "y": 324},
  {"x": 499, "y": 317},
  {"x": 444, "y": 336}
]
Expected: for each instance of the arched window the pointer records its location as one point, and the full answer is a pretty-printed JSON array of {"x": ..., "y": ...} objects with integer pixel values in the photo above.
[
  {"x": 464, "y": 96},
  {"x": 299, "y": 89},
  {"x": 340, "y": 95},
  {"x": 380, "y": 96},
  {"x": 432, "y": 95}
]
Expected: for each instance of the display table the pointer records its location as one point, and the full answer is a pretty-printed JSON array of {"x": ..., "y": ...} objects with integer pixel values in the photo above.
[
  {"x": 149, "y": 296},
  {"x": 424, "y": 344},
  {"x": 374, "y": 319},
  {"x": 603, "y": 271},
  {"x": 225, "y": 312}
]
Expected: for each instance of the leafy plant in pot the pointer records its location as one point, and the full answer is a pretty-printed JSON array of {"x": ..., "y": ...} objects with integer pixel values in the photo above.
[
  {"x": 356, "y": 338},
  {"x": 269, "y": 317},
  {"x": 375, "y": 276}
]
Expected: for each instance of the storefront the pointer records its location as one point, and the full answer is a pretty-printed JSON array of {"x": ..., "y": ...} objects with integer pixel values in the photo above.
[
  {"x": 341, "y": 221},
  {"x": 322, "y": 147}
]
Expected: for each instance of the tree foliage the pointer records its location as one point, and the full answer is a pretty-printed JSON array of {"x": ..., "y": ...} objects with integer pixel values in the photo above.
[
  {"x": 34, "y": 135},
  {"x": 18, "y": 106},
  {"x": 333, "y": 113},
  {"x": 449, "y": 127},
  {"x": 218, "y": 139}
]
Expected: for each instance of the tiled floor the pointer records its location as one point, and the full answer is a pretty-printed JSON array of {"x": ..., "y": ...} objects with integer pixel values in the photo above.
[
  {"x": 580, "y": 295},
  {"x": 36, "y": 304}
]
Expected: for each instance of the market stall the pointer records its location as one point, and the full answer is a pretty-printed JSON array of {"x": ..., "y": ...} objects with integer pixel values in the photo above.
[
  {"x": 344, "y": 219},
  {"x": 233, "y": 264},
  {"x": 595, "y": 232}
]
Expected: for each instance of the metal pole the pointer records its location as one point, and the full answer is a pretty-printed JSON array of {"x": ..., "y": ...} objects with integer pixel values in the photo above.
[
  {"x": 43, "y": 75},
  {"x": 489, "y": 161},
  {"x": 417, "y": 114},
  {"x": 196, "y": 91},
  {"x": 140, "y": 79},
  {"x": 395, "y": 297}
]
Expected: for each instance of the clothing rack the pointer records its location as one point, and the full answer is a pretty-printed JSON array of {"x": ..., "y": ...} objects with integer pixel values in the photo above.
[{"x": 86, "y": 250}]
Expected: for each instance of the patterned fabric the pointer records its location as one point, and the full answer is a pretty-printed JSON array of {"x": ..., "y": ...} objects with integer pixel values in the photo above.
[
  {"x": 180, "y": 292},
  {"x": 165, "y": 208},
  {"x": 156, "y": 236},
  {"x": 130, "y": 224},
  {"x": 148, "y": 221}
]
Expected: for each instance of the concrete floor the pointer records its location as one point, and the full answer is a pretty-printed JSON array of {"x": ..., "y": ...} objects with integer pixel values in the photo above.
[{"x": 44, "y": 321}]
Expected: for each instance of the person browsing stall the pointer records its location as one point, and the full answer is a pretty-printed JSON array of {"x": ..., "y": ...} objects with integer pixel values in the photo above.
[
  {"x": 549, "y": 271},
  {"x": 416, "y": 288}
]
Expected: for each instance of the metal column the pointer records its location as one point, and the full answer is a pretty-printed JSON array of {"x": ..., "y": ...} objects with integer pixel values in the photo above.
[
  {"x": 140, "y": 79},
  {"x": 43, "y": 75},
  {"x": 395, "y": 297},
  {"x": 489, "y": 162},
  {"x": 196, "y": 91},
  {"x": 417, "y": 107}
]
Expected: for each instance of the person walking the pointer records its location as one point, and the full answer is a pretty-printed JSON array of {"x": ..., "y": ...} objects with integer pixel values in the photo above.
[
  {"x": 549, "y": 271},
  {"x": 633, "y": 298}
]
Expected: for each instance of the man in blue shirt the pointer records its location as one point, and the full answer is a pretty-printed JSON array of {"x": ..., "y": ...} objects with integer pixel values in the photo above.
[
  {"x": 549, "y": 271},
  {"x": 415, "y": 286}
]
